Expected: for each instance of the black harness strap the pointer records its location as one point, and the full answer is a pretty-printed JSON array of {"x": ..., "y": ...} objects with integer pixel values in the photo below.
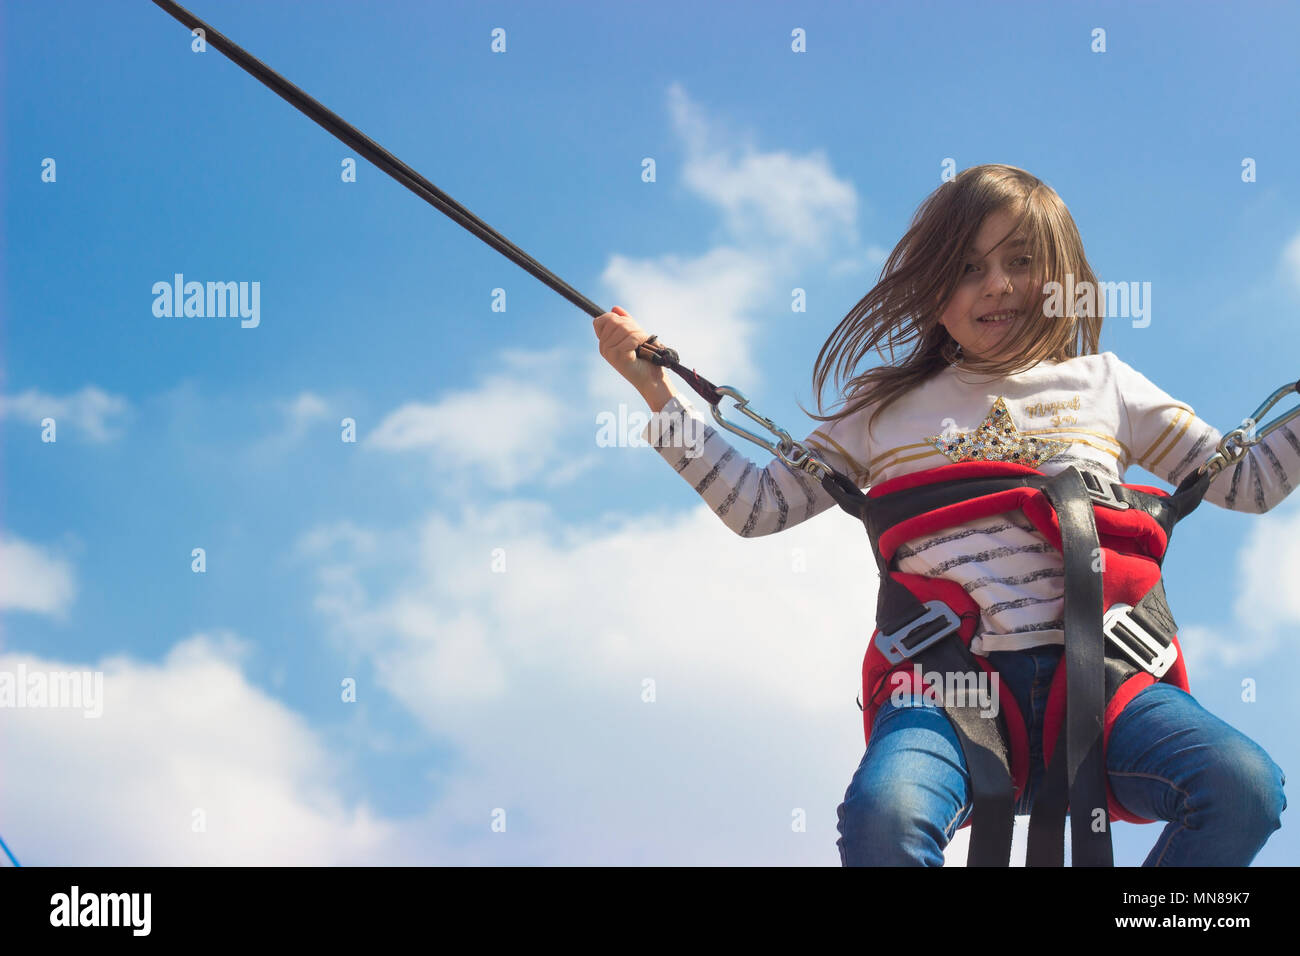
[
  {"x": 984, "y": 745},
  {"x": 1085, "y": 674},
  {"x": 1047, "y": 820}
]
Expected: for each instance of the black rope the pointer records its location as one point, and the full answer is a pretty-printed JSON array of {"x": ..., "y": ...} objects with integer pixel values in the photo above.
[{"x": 412, "y": 180}]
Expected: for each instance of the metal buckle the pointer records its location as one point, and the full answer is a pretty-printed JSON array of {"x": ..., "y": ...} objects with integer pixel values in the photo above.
[
  {"x": 929, "y": 627},
  {"x": 794, "y": 453},
  {"x": 1102, "y": 491},
  {"x": 1234, "y": 446},
  {"x": 1138, "y": 644}
]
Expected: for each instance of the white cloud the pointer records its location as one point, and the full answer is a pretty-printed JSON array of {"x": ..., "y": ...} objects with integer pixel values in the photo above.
[
  {"x": 1267, "y": 607},
  {"x": 33, "y": 579},
  {"x": 534, "y": 676},
  {"x": 190, "y": 733},
  {"x": 1268, "y": 569},
  {"x": 322, "y": 538},
  {"x": 298, "y": 414},
  {"x": 765, "y": 196},
  {"x": 88, "y": 410},
  {"x": 303, "y": 411},
  {"x": 501, "y": 430}
]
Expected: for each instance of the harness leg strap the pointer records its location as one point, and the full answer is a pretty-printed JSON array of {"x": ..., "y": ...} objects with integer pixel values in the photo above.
[
  {"x": 1047, "y": 821},
  {"x": 983, "y": 743},
  {"x": 1085, "y": 663},
  {"x": 982, "y": 739}
]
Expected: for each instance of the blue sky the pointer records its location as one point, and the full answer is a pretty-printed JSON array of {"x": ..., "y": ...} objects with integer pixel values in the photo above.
[{"x": 521, "y": 689}]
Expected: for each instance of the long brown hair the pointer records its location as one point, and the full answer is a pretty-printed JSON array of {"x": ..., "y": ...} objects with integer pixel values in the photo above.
[{"x": 922, "y": 273}]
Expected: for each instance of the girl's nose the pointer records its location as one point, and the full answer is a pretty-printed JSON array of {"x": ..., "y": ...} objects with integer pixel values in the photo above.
[{"x": 997, "y": 283}]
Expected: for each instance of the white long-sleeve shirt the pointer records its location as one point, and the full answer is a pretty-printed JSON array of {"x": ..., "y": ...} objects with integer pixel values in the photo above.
[{"x": 1093, "y": 411}]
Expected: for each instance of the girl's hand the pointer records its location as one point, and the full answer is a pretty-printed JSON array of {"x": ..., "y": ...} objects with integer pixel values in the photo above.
[{"x": 619, "y": 337}]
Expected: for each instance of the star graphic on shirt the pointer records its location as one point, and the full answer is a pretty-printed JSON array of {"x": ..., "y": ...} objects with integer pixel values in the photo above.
[{"x": 997, "y": 439}]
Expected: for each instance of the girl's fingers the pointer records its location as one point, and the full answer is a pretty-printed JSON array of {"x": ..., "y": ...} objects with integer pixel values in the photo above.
[
  {"x": 616, "y": 342},
  {"x": 609, "y": 325}
]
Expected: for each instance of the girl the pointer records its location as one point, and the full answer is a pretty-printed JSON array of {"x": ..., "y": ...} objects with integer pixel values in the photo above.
[{"x": 971, "y": 285}]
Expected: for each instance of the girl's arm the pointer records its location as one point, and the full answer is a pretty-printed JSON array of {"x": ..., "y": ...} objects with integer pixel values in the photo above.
[
  {"x": 751, "y": 500},
  {"x": 1169, "y": 440}
]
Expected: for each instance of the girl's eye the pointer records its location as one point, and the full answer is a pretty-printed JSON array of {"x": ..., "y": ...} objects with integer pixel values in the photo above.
[{"x": 1024, "y": 260}]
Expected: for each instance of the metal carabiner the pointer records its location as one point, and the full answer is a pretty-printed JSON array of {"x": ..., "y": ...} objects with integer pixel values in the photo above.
[
  {"x": 794, "y": 453},
  {"x": 1233, "y": 446}
]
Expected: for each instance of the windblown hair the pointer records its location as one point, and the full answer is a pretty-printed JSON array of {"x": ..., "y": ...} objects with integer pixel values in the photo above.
[{"x": 921, "y": 276}]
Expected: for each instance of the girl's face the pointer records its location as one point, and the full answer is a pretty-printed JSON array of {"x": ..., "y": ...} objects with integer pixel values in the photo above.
[{"x": 991, "y": 282}]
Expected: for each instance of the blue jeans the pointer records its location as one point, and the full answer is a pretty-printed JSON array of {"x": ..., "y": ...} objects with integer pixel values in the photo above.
[{"x": 1167, "y": 757}]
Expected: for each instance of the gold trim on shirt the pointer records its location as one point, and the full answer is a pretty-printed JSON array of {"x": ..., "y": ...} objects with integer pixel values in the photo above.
[
  {"x": 860, "y": 472},
  {"x": 1173, "y": 441}
]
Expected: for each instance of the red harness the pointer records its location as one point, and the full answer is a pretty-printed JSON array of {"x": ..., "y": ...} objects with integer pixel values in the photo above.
[{"x": 1119, "y": 635}]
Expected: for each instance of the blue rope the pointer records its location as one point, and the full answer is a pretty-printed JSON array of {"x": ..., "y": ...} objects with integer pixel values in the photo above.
[{"x": 12, "y": 859}]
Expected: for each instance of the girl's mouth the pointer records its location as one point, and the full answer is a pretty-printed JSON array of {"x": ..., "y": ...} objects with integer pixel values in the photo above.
[{"x": 997, "y": 318}]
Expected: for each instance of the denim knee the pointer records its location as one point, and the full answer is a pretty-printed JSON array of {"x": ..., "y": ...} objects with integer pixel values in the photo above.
[
  {"x": 1250, "y": 786},
  {"x": 881, "y": 826}
]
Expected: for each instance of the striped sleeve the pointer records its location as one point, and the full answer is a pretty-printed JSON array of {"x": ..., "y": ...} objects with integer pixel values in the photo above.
[
  {"x": 750, "y": 499},
  {"x": 1169, "y": 440}
]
